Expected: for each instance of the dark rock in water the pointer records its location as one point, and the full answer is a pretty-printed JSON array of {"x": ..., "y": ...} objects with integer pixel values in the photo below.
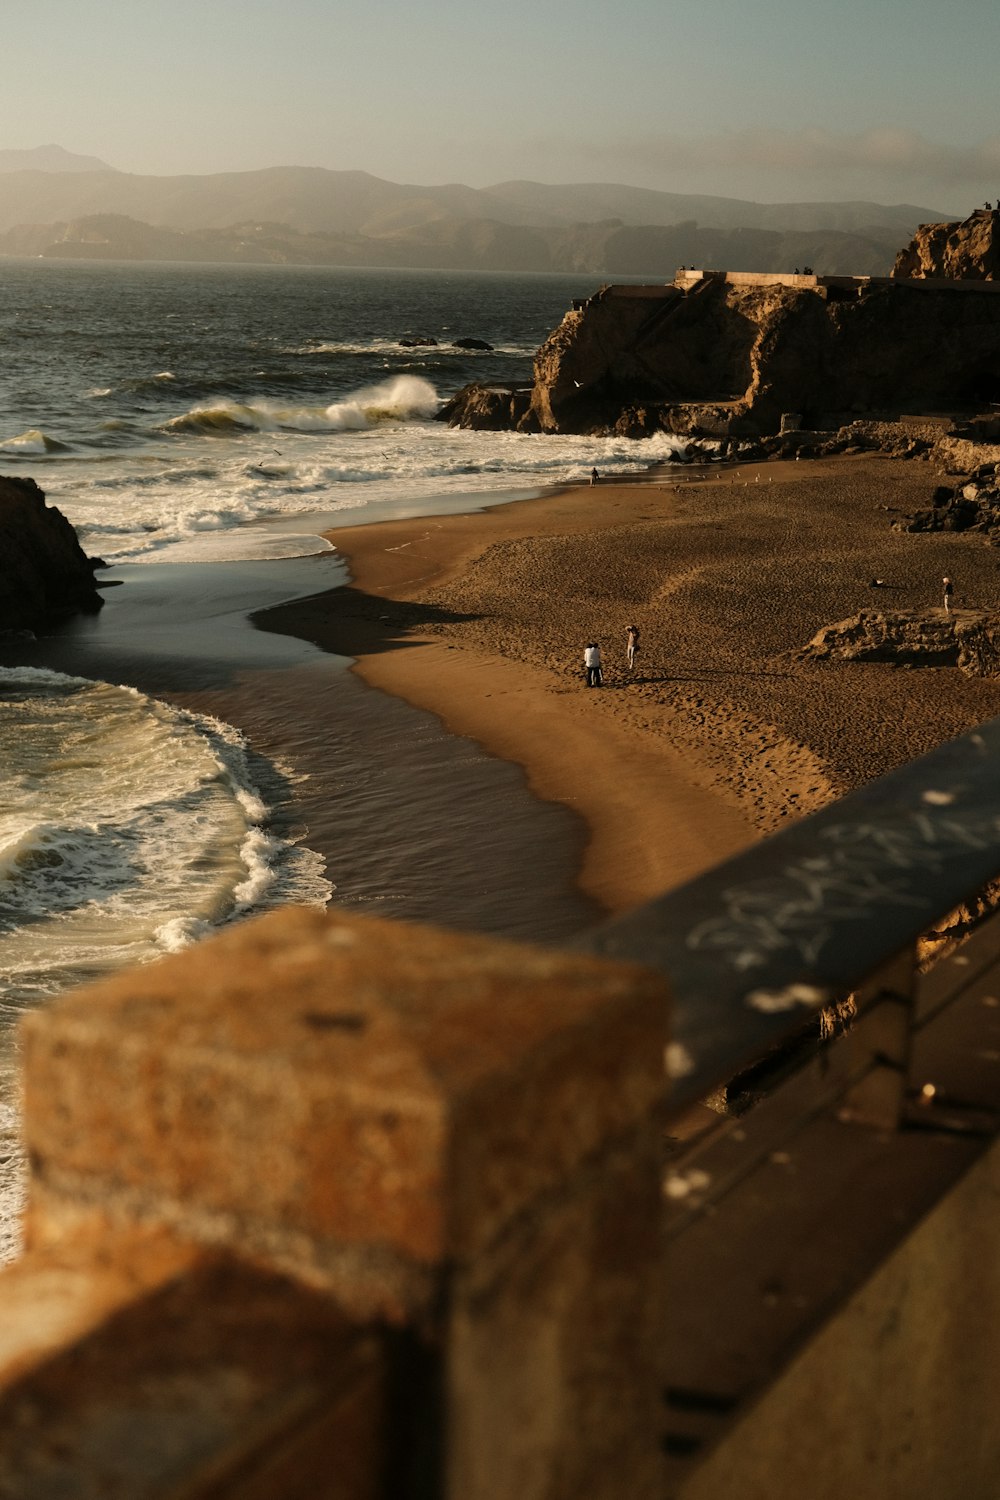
[
  {"x": 45, "y": 575},
  {"x": 471, "y": 344},
  {"x": 417, "y": 341},
  {"x": 488, "y": 408}
]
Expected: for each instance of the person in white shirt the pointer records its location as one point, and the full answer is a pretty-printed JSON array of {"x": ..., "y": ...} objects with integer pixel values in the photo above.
[{"x": 592, "y": 664}]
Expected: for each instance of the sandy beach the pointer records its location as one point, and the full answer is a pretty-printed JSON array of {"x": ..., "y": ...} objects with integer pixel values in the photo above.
[{"x": 720, "y": 733}]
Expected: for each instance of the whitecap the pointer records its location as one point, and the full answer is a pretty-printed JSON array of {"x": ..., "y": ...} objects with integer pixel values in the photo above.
[{"x": 34, "y": 443}]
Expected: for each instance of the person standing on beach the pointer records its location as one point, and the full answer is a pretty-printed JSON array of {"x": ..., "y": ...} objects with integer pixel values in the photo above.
[
  {"x": 592, "y": 664},
  {"x": 949, "y": 589},
  {"x": 594, "y": 476},
  {"x": 631, "y": 644}
]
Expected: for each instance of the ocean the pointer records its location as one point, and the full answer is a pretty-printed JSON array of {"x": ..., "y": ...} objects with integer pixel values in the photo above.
[{"x": 201, "y": 426}]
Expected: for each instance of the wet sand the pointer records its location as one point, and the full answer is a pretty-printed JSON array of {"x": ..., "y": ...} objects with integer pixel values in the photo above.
[{"x": 720, "y": 734}]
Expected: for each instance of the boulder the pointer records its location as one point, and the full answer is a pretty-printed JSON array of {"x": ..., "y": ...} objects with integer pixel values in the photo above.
[
  {"x": 472, "y": 344},
  {"x": 973, "y": 506},
  {"x": 45, "y": 575},
  {"x": 417, "y": 341},
  {"x": 489, "y": 408}
]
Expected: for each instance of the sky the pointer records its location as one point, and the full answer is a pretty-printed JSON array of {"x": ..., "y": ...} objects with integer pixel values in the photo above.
[{"x": 893, "y": 101}]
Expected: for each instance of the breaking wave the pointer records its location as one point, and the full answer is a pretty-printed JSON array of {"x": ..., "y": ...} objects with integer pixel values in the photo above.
[
  {"x": 32, "y": 444},
  {"x": 128, "y": 827},
  {"x": 405, "y": 398}
]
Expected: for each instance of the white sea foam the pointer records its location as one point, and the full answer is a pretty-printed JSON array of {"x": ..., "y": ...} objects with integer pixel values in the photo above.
[
  {"x": 197, "y": 500},
  {"x": 129, "y": 827}
]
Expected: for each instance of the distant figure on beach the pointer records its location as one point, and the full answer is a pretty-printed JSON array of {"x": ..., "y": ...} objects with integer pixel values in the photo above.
[
  {"x": 592, "y": 664},
  {"x": 594, "y": 476},
  {"x": 631, "y": 643},
  {"x": 949, "y": 589}
]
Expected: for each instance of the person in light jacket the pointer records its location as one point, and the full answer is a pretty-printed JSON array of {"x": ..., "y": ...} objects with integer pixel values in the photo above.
[{"x": 592, "y": 664}]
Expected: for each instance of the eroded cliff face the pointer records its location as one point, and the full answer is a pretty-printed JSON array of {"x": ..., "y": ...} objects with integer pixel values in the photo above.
[
  {"x": 968, "y": 250},
  {"x": 724, "y": 359},
  {"x": 44, "y": 572},
  {"x": 718, "y": 356}
]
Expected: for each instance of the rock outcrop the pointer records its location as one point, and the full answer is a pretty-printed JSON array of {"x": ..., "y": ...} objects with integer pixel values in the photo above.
[
  {"x": 719, "y": 354},
  {"x": 972, "y": 505},
  {"x": 732, "y": 357},
  {"x": 489, "y": 408},
  {"x": 968, "y": 639},
  {"x": 44, "y": 573},
  {"x": 967, "y": 250}
]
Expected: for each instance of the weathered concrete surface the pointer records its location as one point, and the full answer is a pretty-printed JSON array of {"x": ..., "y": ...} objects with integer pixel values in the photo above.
[
  {"x": 328, "y": 1084},
  {"x": 899, "y": 1388},
  {"x": 58, "y": 1297},
  {"x": 211, "y": 1381},
  {"x": 44, "y": 573},
  {"x": 432, "y": 1129}
]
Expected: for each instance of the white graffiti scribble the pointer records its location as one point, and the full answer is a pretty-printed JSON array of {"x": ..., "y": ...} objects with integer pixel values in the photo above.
[{"x": 849, "y": 877}]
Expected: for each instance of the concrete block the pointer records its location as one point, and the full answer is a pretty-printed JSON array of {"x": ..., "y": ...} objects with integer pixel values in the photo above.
[
  {"x": 354, "y": 1101},
  {"x": 217, "y": 1383}
]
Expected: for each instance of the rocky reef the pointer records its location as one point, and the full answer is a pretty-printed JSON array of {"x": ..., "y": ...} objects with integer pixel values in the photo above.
[
  {"x": 45, "y": 575},
  {"x": 720, "y": 354}
]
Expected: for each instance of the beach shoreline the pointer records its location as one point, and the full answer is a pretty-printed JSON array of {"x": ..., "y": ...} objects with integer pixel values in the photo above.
[{"x": 721, "y": 734}]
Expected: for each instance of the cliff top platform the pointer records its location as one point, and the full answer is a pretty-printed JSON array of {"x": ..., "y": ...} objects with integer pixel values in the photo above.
[
  {"x": 690, "y": 278},
  {"x": 841, "y": 286}
]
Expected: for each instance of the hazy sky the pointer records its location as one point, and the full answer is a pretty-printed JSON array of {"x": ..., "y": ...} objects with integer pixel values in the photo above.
[{"x": 894, "y": 100}]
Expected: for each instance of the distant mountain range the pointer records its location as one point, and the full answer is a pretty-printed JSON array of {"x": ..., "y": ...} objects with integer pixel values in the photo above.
[{"x": 53, "y": 203}]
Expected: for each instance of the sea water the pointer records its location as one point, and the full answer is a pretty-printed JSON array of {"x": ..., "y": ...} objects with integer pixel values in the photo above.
[
  {"x": 189, "y": 414},
  {"x": 172, "y": 412}
]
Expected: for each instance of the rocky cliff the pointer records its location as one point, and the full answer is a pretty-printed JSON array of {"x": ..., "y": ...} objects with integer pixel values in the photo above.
[
  {"x": 44, "y": 572},
  {"x": 968, "y": 250},
  {"x": 718, "y": 357},
  {"x": 729, "y": 354}
]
